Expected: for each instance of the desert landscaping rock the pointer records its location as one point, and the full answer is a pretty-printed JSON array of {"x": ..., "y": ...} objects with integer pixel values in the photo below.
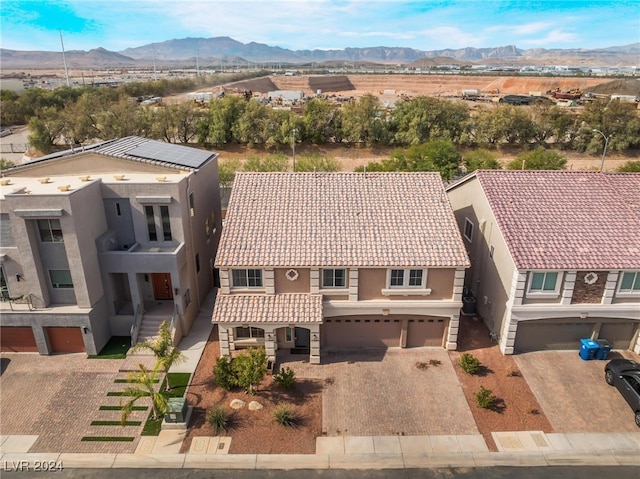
[
  {"x": 237, "y": 404},
  {"x": 255, "y": 406}
]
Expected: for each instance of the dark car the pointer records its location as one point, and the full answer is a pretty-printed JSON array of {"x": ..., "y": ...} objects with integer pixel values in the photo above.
[{"x": 624, "y": 374}]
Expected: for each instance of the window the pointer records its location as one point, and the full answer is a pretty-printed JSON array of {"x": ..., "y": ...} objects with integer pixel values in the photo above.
[
  {"x": 197, "y": 262},
  {"x": 192, "y": 205},
  {"x": 334, "y": 278},
  {"x": 288, "y": 334},
  {"x": 543, "y": 282},
  {"x": 630, "y": 282},
  {"x": 247, "y": 278},
  {"x": 4, "y": 288},
  {"x": 151, "y": 223},
  {"x": 468, "y": 229},
  {"x": 60, "y": 278},
  {"x": 118, "y": 210},
  {"x": 407, "y": 278},
  {"x": 166, "y": 222},
  {"x": 50, "y": 231},
  {"x": 248, "y": 333}
]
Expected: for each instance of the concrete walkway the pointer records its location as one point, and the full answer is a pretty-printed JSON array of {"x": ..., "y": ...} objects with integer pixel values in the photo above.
[{"x": 521, "y": 448}]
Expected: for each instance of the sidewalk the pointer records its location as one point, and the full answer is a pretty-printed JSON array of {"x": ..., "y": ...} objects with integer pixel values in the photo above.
[{"x": 521, "y": 448}]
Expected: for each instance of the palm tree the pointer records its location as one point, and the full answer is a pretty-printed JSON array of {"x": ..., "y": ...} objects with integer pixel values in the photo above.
[
  {"x": 143, "y": 384},
  {"x": 166, "y": 353}
]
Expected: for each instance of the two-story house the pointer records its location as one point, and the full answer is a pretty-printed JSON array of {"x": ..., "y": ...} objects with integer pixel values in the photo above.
[
  {"x": 319, "y": 261},
  {"x": 106, "y": 240},
  {"x": 555, "y": 256}
]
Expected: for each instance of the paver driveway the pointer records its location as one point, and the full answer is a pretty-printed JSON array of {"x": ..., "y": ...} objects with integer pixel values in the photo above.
[
  {"x": 57, "y": 397},
  {"x": 573, "y": 394},
  {"x": 384, "y": 394}
]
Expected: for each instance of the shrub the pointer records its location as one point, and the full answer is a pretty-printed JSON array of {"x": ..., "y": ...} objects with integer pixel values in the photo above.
[
  {"x": 513, "y": 373},
  {"x": 533, "y": 411},
  {"x": 218, "y": 419},
  {"x": 285, "y": 417},
  {"x": 486, "y": 398},
  {"x": 223, "y": 373},
  {"x": 249, "y": 369},
  {"x": 286, "y": 378},
  {"x": 469, "y": 363}
]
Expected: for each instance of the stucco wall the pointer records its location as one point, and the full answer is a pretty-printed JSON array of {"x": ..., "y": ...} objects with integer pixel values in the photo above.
[{"x": 300, "y": 285}]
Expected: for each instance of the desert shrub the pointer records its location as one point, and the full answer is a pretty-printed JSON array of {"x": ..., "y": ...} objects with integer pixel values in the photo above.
[
  {"x": 286, "y": 378},
  {"x": 249, "y": 369},
  {"x": 218, "y": 419},
  {"x": 469, "y": 363},
  {"x": 485, "y": 398},
  {"x": 513, "y": 373},
  {"x": 285, "y": 416},
  {"x": 223, "y": 373},
  {"x": 533, "y": 411}
]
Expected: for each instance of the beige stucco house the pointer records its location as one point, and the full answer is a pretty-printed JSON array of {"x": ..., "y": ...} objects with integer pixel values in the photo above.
[
  {"x": 555, "y": 256},
  {"x": 319, "y": 261},
  {"x": 106, "y": 240}
]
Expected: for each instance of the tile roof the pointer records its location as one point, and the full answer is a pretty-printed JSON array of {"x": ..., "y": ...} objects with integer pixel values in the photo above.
[
  {"x": 268, "y": 308},
  {"x": 567, "y": 219},
  {"x": 142, "y": 149},
  {"x": 340, "y": 219}
]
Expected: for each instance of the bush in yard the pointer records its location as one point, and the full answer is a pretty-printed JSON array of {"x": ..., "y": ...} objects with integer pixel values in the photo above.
[
  {"x": 286, "y": 378},
  {"x": 218, "y": 419},
  {"x": 223, "y": 373},
  {"x": 249, "y": 369},
  {"x": 285, "y": 416},
  {"x": 486, "y": 398},
  {"x": 469, "y": 363}
]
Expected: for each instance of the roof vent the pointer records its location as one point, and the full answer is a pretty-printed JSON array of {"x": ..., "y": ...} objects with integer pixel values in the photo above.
[
  {"x": 85, "y": 178},
  {"x": 64, "y": 187},
  {"x": 119, "y": 177},
  {"x": 44, "y": 181}
]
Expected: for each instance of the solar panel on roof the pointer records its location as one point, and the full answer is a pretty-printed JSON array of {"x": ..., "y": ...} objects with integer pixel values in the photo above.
[{"x": 170, "y": 153}]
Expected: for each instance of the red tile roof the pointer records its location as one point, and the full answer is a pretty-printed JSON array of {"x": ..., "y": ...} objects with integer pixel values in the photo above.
[
  {"x": 340, "y": 219},
  {"x": 268, "y": 308},
  {"x": 567, "y": 219}
]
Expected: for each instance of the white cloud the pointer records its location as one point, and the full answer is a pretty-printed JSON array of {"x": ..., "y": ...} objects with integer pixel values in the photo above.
[
  {"x": 554, "y": 37},
  {"x": 524, "y": 29},
  {"x": 452, "y": 37}
]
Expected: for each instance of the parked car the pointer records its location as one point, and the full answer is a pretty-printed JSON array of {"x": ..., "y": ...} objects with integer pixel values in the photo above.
[{"x": 624, "y": 374}]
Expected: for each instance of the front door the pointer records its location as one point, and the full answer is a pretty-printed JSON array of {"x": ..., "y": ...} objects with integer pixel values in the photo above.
[
  {"x": 302, "y": 337},
  {"x": 162, "y": 288}
]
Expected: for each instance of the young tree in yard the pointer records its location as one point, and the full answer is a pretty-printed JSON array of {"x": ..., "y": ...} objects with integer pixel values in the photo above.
[
  {"x": 46, "y": 129},
  {"x": 166, "y": 353},
  {"x": 538, "y": 159},
  {"x": 6, "y": 164},
  {"x": 250, "y": 369},
  {"x": 630, "y": 167},
  {"x": 226, "y": 174},
  {"x": 142, "y": 385}
]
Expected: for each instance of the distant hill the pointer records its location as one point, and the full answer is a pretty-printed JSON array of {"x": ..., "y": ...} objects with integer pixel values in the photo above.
[{"x": 213, "y": 51}]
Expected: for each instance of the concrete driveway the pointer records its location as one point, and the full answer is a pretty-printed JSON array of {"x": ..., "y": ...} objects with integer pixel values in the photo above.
[
  {"x": 573, "y": 394},
  {"x": 384, "y": 394}
]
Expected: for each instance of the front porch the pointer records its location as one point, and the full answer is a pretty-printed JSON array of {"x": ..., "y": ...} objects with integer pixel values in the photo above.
[{"x": 281, "y": 322}]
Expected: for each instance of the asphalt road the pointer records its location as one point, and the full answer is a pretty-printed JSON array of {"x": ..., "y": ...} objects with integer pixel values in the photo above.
[{"x": 548, "y": 472}]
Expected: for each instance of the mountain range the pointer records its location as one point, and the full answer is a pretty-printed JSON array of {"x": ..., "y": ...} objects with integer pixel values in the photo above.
[{"x": 214, "y": 51}]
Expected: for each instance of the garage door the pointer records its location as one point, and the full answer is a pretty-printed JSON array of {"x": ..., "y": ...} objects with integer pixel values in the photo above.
[
  {"x": 426, "y": 332},
  {"x": 65, "y": 340},
  {"x": 17, "y": 339},
  {"x": 540, "y": 336},
  {"x": 618, "y": 335},
  {"x": 361, "y": 333}
]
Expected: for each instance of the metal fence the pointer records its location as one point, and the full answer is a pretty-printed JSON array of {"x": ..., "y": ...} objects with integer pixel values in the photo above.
[{"x": 14, "y": 147}]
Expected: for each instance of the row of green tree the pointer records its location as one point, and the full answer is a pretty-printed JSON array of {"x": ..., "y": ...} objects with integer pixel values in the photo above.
[{"x": 80, "y": 115}]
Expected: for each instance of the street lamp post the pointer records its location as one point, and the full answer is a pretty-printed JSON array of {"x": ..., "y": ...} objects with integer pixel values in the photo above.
[
  {"x": 606, "y": 144},
  {"x": 293, "y": 147}
]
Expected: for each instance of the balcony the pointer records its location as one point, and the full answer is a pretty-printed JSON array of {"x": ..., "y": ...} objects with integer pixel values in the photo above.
[{"x": 161, "y": 257}]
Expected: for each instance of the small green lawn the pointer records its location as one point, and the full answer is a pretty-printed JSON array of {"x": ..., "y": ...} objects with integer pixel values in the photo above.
[
  {"x": 116, "y": 348},
  {"x": 179, "y": 382}
]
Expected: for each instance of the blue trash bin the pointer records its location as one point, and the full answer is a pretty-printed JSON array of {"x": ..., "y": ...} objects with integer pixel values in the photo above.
[
  {"x": 588, "y": 349},
  {"x": 603, "y": 349}
]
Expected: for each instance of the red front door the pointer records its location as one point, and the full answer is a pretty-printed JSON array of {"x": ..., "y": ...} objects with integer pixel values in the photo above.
[{"x": 162, "y": 288}]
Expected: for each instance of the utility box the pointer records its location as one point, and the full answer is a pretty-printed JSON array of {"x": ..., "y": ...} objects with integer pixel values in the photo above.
[
  {"x": 588, "y": 349},
  {"x": 176, "y": 410},
  {"x": 603, "y": 349}
]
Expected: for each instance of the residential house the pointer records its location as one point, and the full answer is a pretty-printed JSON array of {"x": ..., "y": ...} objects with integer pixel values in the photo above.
[
  {"x": 311, "y": 262},
  {"x": 555, "y": 256},
  {"x": 106, "y": 240}
]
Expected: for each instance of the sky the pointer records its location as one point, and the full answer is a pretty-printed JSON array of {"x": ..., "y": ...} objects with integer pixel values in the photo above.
[{"x": 320, "y": 24}]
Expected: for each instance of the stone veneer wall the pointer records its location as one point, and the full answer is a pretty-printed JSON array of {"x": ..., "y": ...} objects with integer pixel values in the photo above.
[{"x": 589, "y": 293}]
